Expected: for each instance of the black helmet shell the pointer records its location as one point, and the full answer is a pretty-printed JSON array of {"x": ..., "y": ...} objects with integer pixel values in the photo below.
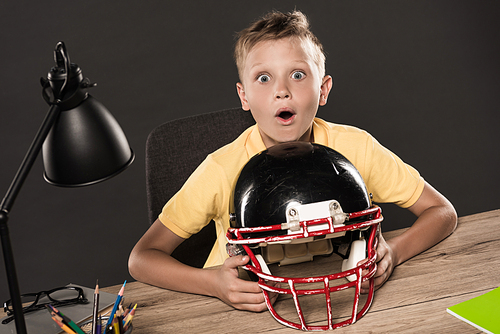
[{"x": 299, "y": 172}]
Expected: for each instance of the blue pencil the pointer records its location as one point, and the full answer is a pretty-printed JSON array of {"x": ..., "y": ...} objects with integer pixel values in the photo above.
[
  {"x": 117, "y": 303},
  {"x": 98, "y": 326}
]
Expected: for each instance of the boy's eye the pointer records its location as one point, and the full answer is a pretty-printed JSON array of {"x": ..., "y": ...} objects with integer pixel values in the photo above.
[
  {"x": 263, "y": 78},
  {"x": 298, "y": 75}
]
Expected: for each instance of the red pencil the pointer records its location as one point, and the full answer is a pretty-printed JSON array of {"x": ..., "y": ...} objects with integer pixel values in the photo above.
[
  {"x": 129, "y": 318},
  {"x": 63, "y": 326}
]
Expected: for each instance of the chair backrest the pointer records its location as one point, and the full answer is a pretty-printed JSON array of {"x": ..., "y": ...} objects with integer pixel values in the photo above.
[{"x": 173, "y": 151}]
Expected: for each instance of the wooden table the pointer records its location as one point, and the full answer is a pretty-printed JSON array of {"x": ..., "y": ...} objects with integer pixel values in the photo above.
[{"x": 413, "y": 300}]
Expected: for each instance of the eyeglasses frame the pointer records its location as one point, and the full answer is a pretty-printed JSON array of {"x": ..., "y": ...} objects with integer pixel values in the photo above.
[{"x": 81, "y": 299}]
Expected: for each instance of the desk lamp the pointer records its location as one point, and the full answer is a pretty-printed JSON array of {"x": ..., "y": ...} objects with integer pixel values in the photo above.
[{"x": 82, "y": 144}]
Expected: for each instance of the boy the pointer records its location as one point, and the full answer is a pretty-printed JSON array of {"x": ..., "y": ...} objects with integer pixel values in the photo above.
[{"x": 281, "y": 66}]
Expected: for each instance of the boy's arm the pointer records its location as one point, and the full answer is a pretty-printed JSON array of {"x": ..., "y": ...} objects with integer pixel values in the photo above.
[
  {"x": 436, "y": 219},
  {"x": 150, "y": 262}
]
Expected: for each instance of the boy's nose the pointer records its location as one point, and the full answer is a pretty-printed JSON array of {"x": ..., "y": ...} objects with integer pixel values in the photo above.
[
  {"x": 282, "y": 92},
  {"x": 282, "y": 95}
]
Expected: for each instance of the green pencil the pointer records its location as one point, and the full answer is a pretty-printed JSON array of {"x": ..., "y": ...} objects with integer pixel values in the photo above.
[{"x": 68, "y": 321}]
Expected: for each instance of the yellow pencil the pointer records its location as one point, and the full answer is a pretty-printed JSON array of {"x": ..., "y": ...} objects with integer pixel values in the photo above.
[
  {"x": 116, "y": 327},
  {"x": 63, "y": 326},
  {"x": 129, "y": 316}
]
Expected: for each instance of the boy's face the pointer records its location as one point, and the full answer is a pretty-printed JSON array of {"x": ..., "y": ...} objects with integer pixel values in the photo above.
[{"x": 282, "y": 87}]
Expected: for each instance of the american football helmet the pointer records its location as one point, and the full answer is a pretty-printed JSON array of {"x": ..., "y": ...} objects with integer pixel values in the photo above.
[{"x": 299, "y": 200}]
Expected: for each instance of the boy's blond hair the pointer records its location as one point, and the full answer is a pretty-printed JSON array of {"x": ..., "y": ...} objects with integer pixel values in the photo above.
[{"x": 276, "y": 25}]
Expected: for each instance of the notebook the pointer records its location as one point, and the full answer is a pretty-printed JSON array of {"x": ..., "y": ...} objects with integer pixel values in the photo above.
[
  {"x": 482, "y": 312},
  {"x": 41, "y": 322}
]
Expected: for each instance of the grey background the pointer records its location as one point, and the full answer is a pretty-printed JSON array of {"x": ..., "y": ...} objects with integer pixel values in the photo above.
[{"x": 421, "y": 76}]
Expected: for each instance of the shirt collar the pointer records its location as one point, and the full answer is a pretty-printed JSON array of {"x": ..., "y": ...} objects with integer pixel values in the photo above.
[
  {"x": 255, "y": 144},
  {"x": 320, "y": 133}
]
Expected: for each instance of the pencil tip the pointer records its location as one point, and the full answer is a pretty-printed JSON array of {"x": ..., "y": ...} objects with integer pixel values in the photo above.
[
  {"x": 51, "y": 308},
  {"x": 122, "y": 289}
]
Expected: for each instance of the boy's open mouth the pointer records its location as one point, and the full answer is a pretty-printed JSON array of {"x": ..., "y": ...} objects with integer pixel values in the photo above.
[{"x": 285, "y": 115}]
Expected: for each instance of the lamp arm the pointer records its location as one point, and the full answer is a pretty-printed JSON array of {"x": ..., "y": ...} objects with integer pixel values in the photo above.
[
  {"x": 30, "y": 158},
  {"x": 6, "y": 206}
]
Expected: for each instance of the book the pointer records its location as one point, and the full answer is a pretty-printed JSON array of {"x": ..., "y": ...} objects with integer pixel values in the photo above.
[
  {"x": 482, "y": 312},
  {"x": 41, "y": 322}
]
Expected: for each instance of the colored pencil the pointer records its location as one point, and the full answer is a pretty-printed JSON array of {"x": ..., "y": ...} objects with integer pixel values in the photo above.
[
  {"x": 63, "y": 326},
  {"x": 120, "y": 324},
  {"x": 129, "y": 317},
  {"x": 127, "y": 311},
  {"x": 117, "y": 303},
  {"x": 96, "y": 308},
  {"x": 116, "y": 328},
  {"x": 99, "y": 326},
  {"x": 68, "y": 321},
  {"x": 54, "y": 315}
]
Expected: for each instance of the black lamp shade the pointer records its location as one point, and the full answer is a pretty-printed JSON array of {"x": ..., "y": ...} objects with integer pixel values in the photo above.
[{"x": 86, "y": 145}]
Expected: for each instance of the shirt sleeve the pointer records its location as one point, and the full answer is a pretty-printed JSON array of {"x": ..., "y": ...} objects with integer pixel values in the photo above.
[
  {"x": 196, "y": 203},
  {"x": 388, "y": 178}
]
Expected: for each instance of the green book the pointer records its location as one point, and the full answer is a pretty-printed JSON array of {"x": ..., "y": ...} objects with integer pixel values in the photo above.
[{"x": 482, "y": 312}]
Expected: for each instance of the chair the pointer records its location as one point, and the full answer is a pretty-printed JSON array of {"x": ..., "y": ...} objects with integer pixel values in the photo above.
[{"x": 173, "y": 151}]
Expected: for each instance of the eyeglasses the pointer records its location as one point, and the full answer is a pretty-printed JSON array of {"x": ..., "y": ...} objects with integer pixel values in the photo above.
[{"x": 66, "y": 295}]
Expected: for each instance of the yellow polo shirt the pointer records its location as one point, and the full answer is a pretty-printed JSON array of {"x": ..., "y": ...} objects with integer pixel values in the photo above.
[{"x": 205, "y": 195}]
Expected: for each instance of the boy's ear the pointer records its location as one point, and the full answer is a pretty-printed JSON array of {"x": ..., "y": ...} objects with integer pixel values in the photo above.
[
  {"x": 241, "y": 93},
  {"x": 326, "y": 86}
]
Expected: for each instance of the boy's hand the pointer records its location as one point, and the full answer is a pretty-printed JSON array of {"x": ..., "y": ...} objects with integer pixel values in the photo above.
[
  {"x": 241, "y": 294},
  {"x": 385, "y": 264},
  {"x": 436, "y": 220}
]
